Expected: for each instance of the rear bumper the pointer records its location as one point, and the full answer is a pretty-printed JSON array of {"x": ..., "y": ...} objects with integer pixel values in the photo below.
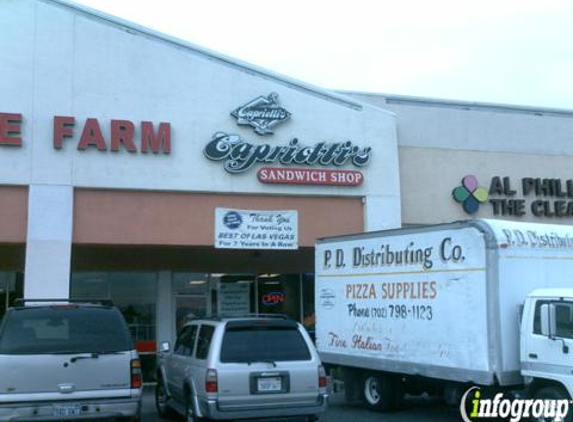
[
  {"x": 210, "y": 409},
  {"x": 90, "y": 410}
]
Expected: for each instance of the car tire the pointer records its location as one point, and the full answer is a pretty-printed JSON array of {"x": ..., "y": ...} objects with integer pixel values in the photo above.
[
  {"x": 190, "y": 414},
  {"x": 161, "y": 398},
  {"x": 553, "y": 393},
  {"x": 379, "y": 392}
]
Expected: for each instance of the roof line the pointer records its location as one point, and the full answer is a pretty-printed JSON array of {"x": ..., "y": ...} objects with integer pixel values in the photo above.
[
  {"x": 462, "y": 104},
  {"x": 244, "y": 66}
]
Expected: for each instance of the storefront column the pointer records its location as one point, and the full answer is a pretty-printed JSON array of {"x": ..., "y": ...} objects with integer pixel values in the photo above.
[
  {"x": 49, "y": 241},
  {"x": 165, "y": 311},
  {"x": 381, "y": 213}
]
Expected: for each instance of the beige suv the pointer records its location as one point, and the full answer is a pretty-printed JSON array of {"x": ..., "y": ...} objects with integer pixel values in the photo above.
[
  {"x": 241, "y": 368},
  {"x": 64, "y": 360}
]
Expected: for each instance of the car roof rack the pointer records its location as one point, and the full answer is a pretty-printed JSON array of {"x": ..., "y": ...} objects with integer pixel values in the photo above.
[
  {"x": 258, "y": 315},
  {"x": 219, "y": 317},
  {"x": 103, "y": 302}
]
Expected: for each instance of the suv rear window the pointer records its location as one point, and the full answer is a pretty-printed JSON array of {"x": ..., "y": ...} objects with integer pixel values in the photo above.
[
  {"x": 64, "y": 329},
  {"x": 260, "y": 343}
]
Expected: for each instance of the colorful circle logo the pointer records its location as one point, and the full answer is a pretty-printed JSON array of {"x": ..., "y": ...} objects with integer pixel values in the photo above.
[{"x": 469, "y": 194}]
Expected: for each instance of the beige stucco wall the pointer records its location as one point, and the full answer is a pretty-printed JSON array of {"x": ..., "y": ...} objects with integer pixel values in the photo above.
[
  {"x": 440, "y": 142},
  {"x": 13, "y": 214},
  {"x": 106, "y": 217},
  {"x": 428, "y": 176}
]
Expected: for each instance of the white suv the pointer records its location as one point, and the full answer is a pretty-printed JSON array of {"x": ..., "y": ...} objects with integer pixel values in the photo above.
[
  {"x": 241, "y": 368},
  {"x": 63, "y": 360}
]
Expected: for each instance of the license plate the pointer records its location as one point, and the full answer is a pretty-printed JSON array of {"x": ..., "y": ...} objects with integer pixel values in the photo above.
[
  {"x": 66, "y": 411},
  {"x": 269, "y": 384}
]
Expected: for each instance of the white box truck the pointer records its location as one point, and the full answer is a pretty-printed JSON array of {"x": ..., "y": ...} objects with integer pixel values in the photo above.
[{"x": 441, "y": 308}]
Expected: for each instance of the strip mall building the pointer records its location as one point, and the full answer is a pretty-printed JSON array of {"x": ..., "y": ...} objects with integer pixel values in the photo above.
[{"x": 176, "y": 181}]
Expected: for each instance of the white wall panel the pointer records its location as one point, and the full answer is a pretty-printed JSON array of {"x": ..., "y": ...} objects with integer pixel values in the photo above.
[{"x": 49, "y": 241}]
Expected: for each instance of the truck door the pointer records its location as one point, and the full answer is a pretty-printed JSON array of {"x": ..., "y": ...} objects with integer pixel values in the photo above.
[{"x": 554, "y": 355}]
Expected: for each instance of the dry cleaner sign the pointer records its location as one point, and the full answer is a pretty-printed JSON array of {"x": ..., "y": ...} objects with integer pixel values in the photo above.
[{"x": 255, "y": 229}]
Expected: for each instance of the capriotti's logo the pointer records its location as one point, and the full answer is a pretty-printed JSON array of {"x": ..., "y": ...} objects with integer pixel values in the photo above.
[
  {"x": 515, "y": 409},
  {"x": 469, "y": 194},
  {"x": 262, "y": 113},
  {"x": 240, "y": 155},
  {"x": 289, "y": 163}
]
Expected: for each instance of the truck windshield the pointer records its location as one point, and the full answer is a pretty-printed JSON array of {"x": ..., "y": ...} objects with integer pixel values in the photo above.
[
  {"x": 70, "y": 329},
  {"x": 263, "y": 344}
]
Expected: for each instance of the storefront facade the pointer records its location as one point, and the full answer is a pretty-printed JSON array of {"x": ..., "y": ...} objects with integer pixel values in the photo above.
[
  {"x": 174, "y": 181},
  {"x": 461, "y": 160},
  {"x": 178, "y": 183}
]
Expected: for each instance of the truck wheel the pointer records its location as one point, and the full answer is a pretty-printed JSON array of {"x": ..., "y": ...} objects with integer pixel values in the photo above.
[
  {"x": 378, "y": 392},
  {"x": 553, "y": 393}
]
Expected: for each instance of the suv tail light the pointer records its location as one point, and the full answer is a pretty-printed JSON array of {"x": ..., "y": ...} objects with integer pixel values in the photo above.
[
  {"x": 321, "y": 377},
  {"x": 211, "y": 385},
  {"x": 136, "y": 379}
]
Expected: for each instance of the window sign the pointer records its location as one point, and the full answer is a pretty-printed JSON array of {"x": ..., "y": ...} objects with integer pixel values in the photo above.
[
  {"x": 234, "y": 299},
  {"x": 255, "y": 229}
]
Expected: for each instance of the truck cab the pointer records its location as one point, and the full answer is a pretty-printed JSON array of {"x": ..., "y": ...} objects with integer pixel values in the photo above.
[{"x": 547, "y": 343}]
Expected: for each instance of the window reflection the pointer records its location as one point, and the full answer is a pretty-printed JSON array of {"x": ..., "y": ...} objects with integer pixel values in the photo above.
[{"x": 135, "y": 295}]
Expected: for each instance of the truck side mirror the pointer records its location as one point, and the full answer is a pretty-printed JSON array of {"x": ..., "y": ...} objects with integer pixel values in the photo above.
[
  {"x": 165, "y": 347},
  {"x": 548, "y": 320}
]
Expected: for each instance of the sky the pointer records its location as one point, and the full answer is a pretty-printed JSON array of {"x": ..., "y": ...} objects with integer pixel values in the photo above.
[{"x": 517, "y": 52}]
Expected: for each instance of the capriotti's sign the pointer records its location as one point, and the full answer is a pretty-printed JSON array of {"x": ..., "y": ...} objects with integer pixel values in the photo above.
[
  {"x": 264, "y": 113},
  {"x": 279, "y": 175},
  {"x": 239, "y": 155}
]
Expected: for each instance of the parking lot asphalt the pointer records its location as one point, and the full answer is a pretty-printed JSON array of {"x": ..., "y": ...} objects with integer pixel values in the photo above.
[{"x": 414, "y": 410}]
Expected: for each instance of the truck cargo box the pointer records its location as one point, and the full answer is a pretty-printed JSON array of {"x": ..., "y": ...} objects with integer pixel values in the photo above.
[{"x": 437, "y": 301}]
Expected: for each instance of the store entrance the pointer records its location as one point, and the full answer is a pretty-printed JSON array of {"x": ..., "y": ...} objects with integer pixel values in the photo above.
[{"x": 285, "y": 294}]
